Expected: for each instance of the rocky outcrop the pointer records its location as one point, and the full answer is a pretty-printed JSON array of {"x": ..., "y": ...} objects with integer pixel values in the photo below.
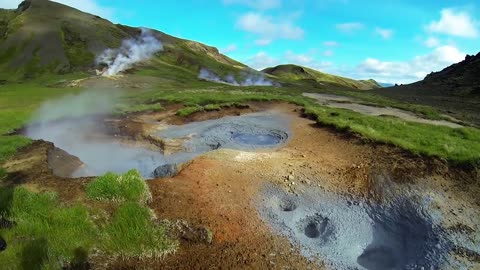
[{"x": 166, "y": 170}]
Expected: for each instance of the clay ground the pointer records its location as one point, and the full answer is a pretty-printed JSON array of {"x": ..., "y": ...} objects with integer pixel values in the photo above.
[{"x": 220, "y": 189}]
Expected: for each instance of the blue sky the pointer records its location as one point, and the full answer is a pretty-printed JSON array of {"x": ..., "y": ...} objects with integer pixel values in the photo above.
[{"x": 391, "y": 41}]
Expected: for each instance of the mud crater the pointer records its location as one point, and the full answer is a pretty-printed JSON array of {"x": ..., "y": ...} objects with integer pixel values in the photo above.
[
  {"x": 399, "y": 234},
  {"x": 100, "y": 151}
]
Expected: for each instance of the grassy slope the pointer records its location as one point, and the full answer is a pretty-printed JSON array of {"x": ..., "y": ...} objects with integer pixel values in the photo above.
[
  {"x": 50, "y": 234},
  {"x": 36, "y": 44},
  {"x": 298, "y": 73}
]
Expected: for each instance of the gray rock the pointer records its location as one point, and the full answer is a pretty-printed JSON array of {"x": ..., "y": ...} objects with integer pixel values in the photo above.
[{"x": 166, "y": 170}]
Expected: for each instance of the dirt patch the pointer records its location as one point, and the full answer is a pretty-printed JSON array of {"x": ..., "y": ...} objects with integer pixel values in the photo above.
[
  {"x": 30, "y": 168},
  {"x": 62, "y": 163}
]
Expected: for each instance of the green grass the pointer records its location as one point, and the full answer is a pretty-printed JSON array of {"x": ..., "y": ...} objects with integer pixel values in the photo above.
[
  {"x": 461, "y": 146},
  {"x": 46, "y": 235},
  {"x": 132, "y": 233},
  {"x": 134, "y": 108},
  {"x": 209, "y": 107},
  {"x": 10, "y": 144},
  {"x": 50, "y": 234},
  {"x": 189, "y": 110},
  {"x": 128, "y": 187}
]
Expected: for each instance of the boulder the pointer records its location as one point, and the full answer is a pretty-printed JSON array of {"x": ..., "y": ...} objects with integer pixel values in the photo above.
[{"x": 166, "y": 170}]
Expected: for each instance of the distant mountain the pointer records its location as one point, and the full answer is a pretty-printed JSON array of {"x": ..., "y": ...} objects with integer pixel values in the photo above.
[
  {"x": 47, "y": 37},
  {"x": 386, "y": 84},
  {"x": 455, "y": 89},
  {"x": 307, "y": 75},
  {"x": 42, "y": 37}
]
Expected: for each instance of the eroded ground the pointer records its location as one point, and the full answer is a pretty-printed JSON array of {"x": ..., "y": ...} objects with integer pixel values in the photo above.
[{"x": 227, "y": 190}]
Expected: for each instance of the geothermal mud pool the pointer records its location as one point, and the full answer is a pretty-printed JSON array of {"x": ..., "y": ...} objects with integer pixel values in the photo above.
[
  {"x": 401, "y": 232},
  {"x": 101, "y": 153}
]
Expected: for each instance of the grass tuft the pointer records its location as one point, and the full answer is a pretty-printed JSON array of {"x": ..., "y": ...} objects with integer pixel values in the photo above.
[
  {"x": 132, "y": 233},
  {"x": 129, "y": 187},
  {"x": 189, "y": 110},
  {"x": 46, "y": 235}
]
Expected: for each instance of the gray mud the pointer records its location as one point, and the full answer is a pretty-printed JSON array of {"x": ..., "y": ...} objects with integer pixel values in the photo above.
[
  {"x": 100, "y": 154},
  {"x": 247, "y": 132},
  {"x": 344, "y": 233},
  {"x": 352, "y": 104}
]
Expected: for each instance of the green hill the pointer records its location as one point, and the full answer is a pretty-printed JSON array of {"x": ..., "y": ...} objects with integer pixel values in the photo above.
[
  {"x": 44, "y": 37},
  {"x": 310, "y": 76}
]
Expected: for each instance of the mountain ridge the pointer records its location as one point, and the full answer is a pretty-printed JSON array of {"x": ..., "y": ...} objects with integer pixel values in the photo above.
[
  {"x": 456, "y": 87},
  {"x": 300, "y": 73}
]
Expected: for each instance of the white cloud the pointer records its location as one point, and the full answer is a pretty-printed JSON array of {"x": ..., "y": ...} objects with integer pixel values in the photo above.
[
  {"x": 257, "y": 4},
  {"x": 409, "y": 71},
  {"x": 455, "y": 23},
  {"x": 299, "y": 59},
  {"x": 263, "y": 42},
  {"x": 349, "y": 27},
  {"x": 432, "y": 42},
  {"x": 384, "y": 33},
  {"x": 328, "y": 53},
  {"x": 331, "y": 44},
  {"x": 267, "y": 29},
  {"x": 261, "y": 61},
  {"x": 230, "y": 48},
  {"x": 90, "y": 6}
]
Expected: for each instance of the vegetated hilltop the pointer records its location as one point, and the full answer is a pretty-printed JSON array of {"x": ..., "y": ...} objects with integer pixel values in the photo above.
[
  {"x": 455, "y": 89},
  {"x": 310, "y": 76},
  {"x": 44, "y": 37}
]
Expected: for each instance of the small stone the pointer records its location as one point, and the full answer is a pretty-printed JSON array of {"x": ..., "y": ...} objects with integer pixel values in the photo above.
[
  {"x": 293, "y": 183},
  {"x": 291, "y": 177}
]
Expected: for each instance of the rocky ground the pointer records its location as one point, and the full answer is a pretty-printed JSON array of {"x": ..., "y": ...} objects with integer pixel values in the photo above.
[{"x": 221, "y": 190}]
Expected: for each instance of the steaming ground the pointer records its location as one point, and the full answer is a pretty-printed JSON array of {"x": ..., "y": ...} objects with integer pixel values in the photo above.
[
  {"x": 251, "y": 79},
  {"x": 83, "y": 135},
  {"x": 402, "y": 232},
  {"x": 131, "y": 52}
]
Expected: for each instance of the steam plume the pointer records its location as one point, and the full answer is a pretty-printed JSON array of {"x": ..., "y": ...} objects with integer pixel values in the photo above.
[
  {"x": 73, "y": 124},
  {"x": 132, "y": 51},
  {"x": 251, "y": 79}
]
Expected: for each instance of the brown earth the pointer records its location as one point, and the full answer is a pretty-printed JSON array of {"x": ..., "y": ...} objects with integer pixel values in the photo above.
[{"x": 220, "y": 190}]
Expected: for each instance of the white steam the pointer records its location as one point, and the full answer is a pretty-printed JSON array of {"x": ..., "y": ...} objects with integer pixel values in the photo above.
[
  {"x": 74, "y": 124},
  {"x": 251, "y": 79},
  {"x": 132, "y": 51}
]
